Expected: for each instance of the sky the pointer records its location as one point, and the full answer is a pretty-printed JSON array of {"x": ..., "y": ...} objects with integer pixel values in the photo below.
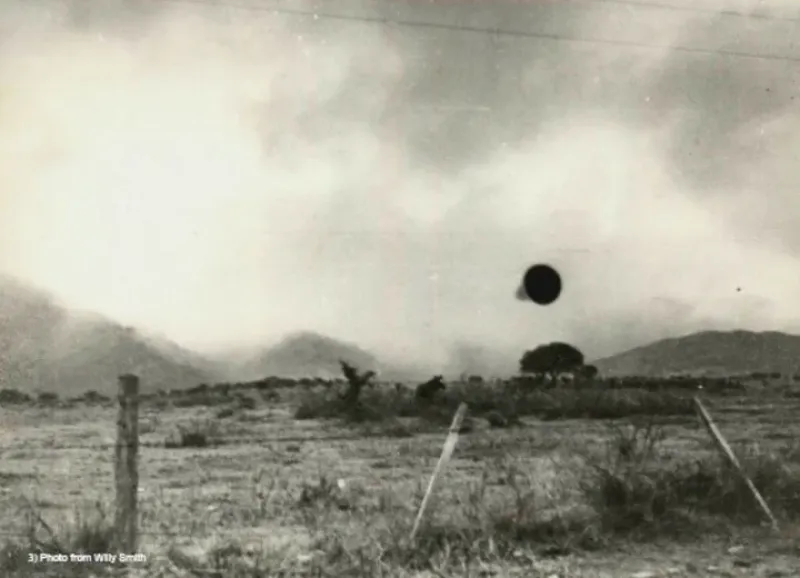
[{"x": 227, "y": 175}]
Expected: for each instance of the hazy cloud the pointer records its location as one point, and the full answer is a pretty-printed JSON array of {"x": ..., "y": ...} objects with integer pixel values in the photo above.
[{"x": 228, "y": 176}]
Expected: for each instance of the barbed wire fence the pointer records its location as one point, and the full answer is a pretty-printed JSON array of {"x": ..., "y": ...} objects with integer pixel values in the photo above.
[{"x": 126, "y": 531}]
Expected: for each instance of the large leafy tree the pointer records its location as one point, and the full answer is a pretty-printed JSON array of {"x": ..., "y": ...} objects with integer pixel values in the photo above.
[{"x": 551, "y": 359}]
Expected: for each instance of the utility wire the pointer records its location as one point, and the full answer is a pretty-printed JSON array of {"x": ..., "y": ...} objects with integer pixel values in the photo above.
[
  {"x": 694, "y": 9},
  {"x": 556, "y": 37},
  {"x": 630, "y": 3}
]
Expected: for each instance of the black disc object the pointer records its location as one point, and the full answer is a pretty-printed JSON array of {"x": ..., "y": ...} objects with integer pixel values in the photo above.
[{"x": 542, "y": 284}]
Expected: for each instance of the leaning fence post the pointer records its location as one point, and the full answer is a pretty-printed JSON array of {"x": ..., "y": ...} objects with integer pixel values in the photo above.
[
  {"x": 726, "y": 451},
  {"x": 447, "y": 452},
  {"x": 125, "y": 463}
]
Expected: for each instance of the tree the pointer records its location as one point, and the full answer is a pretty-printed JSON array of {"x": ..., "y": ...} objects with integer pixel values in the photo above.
[
  {"x": 551, "y": 359},
  {"x": 355, "y": 382}
]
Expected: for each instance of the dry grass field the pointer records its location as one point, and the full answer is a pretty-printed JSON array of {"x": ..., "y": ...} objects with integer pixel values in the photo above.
[{"x": 271, "y": 495}]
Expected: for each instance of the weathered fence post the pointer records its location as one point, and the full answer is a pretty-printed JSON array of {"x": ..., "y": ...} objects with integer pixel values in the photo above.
[
  {"x": 447, "y": 452},
  {"x": 125, "y": 464},
  {"x": 726, "y": 451}
]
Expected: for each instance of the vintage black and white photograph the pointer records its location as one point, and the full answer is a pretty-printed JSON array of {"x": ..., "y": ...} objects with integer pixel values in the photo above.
[{"x": 399, "y": 288}]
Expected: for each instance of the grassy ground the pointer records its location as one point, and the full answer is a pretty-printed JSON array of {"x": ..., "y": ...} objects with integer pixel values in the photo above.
[{"x": 549, "y": 497}]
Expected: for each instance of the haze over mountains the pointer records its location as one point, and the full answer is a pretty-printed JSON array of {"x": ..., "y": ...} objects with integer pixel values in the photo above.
[{"x": 45, "y": 347}]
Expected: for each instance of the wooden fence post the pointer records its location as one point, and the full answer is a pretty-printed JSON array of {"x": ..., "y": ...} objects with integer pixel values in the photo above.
[
  {"x": 447, "y": 452},
  {"x": 125, "y": 464},
  {"x": 726, "y": 451}
]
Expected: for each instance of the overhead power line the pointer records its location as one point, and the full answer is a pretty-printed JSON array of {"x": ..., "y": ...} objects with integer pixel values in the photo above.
[
  {"x": 693, "y": 9},
  {"x": 555, "y": 37}
]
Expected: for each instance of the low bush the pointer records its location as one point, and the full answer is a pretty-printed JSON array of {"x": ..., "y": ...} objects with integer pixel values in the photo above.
[{"x": 484, "y": 399}]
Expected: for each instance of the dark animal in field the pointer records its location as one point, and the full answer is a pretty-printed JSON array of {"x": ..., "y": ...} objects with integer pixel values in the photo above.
[{"x": 426, "y": 391}]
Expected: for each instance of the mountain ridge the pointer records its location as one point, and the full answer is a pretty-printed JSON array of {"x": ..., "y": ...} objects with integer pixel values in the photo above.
[
  {"x": 709, "y": 352},
  {"x": 307, "y": 354}
]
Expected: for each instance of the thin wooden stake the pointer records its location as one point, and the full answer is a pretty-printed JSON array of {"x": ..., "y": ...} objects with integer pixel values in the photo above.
[
  {"x": 447, "y": 452},
  {"x": 125, "y": 464},
  {"x": 726, "y": 451}
]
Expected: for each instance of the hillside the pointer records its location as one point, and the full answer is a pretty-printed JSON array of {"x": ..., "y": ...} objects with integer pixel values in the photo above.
[
  {"x": 711, "y": 353},
  {"x": 307, "y": 354},
  {"x": 45, "y": 347}
]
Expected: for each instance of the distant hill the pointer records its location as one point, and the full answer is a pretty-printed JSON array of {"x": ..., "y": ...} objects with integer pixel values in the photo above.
[
  {"x": 709, "y": 353},
  {"x": 212, "y": 367},
  {"x": 307, "y": 354},
  {"x": 46, "y": 347}
]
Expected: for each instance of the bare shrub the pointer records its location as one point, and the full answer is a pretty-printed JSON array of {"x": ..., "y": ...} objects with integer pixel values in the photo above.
[
  {"x": 636, "y": 488},
  {"x": 356, "y": 381}
]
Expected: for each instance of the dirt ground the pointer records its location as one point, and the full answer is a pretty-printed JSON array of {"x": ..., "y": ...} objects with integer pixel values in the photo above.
[{"x": 247, "y": 492}]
